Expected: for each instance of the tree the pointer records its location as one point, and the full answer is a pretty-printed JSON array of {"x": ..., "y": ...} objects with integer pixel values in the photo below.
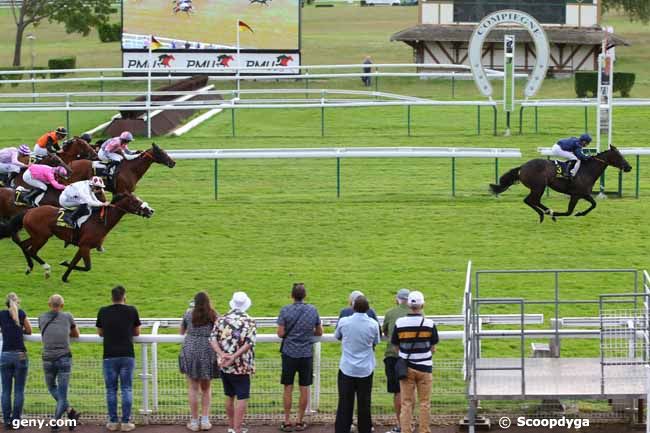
[
  {"x": 78, "y": 16},
  {"x": 634, "y": 9}
]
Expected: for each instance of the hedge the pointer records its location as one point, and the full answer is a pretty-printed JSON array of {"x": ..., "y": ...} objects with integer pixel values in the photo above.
[
  {"x": 587, "y": 83},
  {"x": 110, "y": 32},
  {"x": 11, "y": 76},
  {"x": 61, "y": 63}
]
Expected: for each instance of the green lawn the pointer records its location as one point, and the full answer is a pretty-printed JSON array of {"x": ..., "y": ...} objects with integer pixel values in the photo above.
[{"x": 395, "y": 225}]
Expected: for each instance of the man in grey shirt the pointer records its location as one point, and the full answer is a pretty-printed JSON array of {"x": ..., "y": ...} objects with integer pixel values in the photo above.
[{"x": 56, "y": 329}]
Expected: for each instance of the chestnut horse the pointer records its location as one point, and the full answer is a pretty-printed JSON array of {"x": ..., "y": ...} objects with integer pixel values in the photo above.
[
  {"x": 42, "y": 223},
  {"x": 129, "y": 171},
  {"x": 537, "y": 174},
  {"x": 76, "y": 148}
]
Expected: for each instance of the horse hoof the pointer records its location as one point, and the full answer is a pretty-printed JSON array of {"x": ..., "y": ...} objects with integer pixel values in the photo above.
[{"x": 28, "y": 271}]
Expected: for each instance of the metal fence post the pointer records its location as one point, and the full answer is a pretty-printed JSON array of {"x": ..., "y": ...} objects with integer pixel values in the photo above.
[
  {"x": 67, "y": 112},
  {"x": 315, "y": 401},
  {"x": 144, "y": 375},
  {"x": 232, "y": 119},
  {"x": 494, "y": 119},
  {"x": 496, "y": 170},
  {"x": 376, "y": 81},
  {"x": 101, "y": 86},
  {"x": 216, "y": 179},
  {"x": 306, "y": 83},
  {"x": 536, "y": 121},
  {"x": 521, "y": 116},
  {"x": 408, "y": 119},
  {"x": 586, "y": 120},
  {"x": 478, "y": 120},
  {"x": 453, "y": 176},
  {"x": 638, "y": 170},
  {"x": 453, "y": 84},
  {"x": 338, "y": 177},
  {"x": 154, "y": 366}
]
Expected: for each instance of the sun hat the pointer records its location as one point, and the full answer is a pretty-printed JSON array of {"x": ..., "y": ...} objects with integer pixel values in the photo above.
[{"x": 240, "y": 301}]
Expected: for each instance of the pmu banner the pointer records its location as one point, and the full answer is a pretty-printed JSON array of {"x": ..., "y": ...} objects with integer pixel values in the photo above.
[{"x": 184, "y": 62}]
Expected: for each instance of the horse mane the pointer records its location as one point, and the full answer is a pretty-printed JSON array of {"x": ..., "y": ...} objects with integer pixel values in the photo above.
[{"x": 118, "y": 197}]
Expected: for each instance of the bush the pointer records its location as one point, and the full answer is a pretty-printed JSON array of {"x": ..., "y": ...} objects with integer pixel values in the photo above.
[
  {"x": 11, "y": 76},
  {"x": 61, "y": 63},
  {"x": 110, "y": 32},
  {"x": 587, "y": 83},
  {"x": 40, "y": 74}
]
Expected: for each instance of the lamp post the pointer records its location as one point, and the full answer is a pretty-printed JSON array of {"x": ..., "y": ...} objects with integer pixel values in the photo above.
[{"x": 31, "y": 38}]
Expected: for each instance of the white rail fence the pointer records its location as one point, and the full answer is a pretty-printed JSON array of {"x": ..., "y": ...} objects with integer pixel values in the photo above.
[{"x": 160, "y": 389}]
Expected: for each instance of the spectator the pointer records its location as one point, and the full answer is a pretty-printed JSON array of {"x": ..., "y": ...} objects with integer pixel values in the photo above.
[
  {"x": 233, "y": 338},
  {"x": 348, "y": 311},
  {"x": 391, "y": 356},
  {"x": 13, "y": 360},
  {"x": 367, "y": 70},
  {"x": 56, "y": 329},
  {"x": 187, "y": 45},
  {"x": 416, "y": 337},
  {"x": 197, "y": 359},
  {"x": 298, "y": 323},
  {"x": 118, "y": 324},
  {"x": 359, "y": 334}
]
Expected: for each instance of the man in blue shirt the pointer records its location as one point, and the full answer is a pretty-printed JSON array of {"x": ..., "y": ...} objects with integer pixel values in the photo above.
[
  {"x": 359, "y": 335},
  {"x": 298, "y": 323},
  {"x": 571, "y": 149}
]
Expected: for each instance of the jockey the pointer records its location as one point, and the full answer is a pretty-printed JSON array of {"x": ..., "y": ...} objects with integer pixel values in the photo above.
[
  {"x": 39, "y": 176},
  {"x": 12, "y": 160},
  {"x": 81, "y": 196},
  {"x": 117, "y": 148},
  {"x": 571, "y": 149},
  {"x": 49, "y": 142}
]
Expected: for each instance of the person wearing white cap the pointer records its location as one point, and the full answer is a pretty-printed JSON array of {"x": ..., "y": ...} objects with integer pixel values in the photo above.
[
  {"x": 391, "y": 356},
  {"x": 233, "y": 338},
  {"x": 415, "y": 337}
]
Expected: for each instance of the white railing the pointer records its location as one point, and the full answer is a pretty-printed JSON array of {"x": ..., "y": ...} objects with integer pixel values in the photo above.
[{"x": 638, "y": 151}]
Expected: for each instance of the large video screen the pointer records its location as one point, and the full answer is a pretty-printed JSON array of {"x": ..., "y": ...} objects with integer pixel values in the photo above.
[
  {"x": 546, "y": 12},
  {"x": 212, "y": 24}
]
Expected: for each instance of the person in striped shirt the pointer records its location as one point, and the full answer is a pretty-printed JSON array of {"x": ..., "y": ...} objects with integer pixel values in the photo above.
[{"x": 415, "y": 337}]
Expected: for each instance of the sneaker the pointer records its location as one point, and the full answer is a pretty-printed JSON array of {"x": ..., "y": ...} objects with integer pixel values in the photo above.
[
  {"x": 231, "y": 430},
  {"x": 206, "y": 425},
  {"x": 113, "y": 426},
  {"x": 192, "y": 426},
  {"x": 127, "y": 426},
  {"x": 395, "y": 429},
  {"x": 73, "y": 415}
]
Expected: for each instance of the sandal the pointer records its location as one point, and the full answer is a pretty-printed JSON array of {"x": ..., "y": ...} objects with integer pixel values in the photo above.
[
  {"x": 288, "y": 427},
  {"x": 301, "y": 426}
]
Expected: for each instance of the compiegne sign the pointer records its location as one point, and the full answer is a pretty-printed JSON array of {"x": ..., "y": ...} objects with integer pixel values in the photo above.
[{"x": 537, "y": 33}]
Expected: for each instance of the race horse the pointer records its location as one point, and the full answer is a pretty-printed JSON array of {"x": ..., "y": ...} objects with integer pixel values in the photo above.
[
  {"x": 129, "y": 172},
  {"x": 76, "y": 148},
  {"x": 41, "y": 223},
  {"x": 537, "y": 174}
]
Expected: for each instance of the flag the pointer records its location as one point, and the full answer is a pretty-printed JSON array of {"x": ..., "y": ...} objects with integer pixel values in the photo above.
[
  {"x": 155, "y": 45},
  {"x": 244, "y": 26}
]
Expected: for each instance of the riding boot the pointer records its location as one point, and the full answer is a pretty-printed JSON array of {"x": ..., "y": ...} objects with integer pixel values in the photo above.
[
  {"x": 80, "y": 212},
  {"x": 69, "y": 217},
  {"x": 29, "y": 197}
]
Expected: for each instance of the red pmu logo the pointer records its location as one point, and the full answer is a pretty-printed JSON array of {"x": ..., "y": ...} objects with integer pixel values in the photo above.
[
  {"x": 225, "y": 59},
  {"x": 166, "y": 59},
  {"x": 284, "y": 60}
]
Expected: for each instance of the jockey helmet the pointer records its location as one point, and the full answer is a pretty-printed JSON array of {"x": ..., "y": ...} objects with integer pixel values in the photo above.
[
  {"x": 586, "y": 138},
  {"x": 61, "y": 171},
  {"x": 24, "y": 149},
  {"x": 126, "y": 136},
  {"x": 97, "y": 181},
  {"x": 61, "y": 131},
  {"x": 86, "y": 137}
]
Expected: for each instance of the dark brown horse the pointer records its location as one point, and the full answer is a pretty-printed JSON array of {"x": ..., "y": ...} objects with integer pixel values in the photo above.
[
  {"x": 537, "y": 174},
  {"x": 129, "y": 172},
  {"x": 42, "y": 223},
  {"x": 76, "y": 148}
]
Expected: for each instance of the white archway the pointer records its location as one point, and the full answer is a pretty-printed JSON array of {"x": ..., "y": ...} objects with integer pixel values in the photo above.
[{"x": 537, "y": 33}]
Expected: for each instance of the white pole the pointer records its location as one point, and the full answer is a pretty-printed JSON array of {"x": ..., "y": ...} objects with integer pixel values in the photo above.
[
  {"x": 238, "y": 59},
  {"x": 150, "y": 66}
]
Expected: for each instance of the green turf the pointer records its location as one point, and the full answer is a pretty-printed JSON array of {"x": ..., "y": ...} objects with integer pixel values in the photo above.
[{"x": 395, "y": 225}]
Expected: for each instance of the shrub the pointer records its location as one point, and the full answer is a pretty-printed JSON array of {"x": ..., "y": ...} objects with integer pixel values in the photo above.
[
  {"x": 110, "y": 32},
  {"x": 11, "y": 76},
  {"x": 587, "y": 83},
  {"x": 61, "y": 63}
]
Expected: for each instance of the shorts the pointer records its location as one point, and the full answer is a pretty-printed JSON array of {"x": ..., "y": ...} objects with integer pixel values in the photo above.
[
  {"x": 392, "y": 382},
  {"x": 302, "y": 366},
  {"x": 236, "y": 385}
]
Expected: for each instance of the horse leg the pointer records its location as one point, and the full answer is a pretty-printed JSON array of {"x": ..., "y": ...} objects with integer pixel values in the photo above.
[
  {"x": 24, "y": 247},
  {"x": 82, "y": 252},
  {"x": 532, "y": 200},
  {"x": 572, "y": 205},
  {"x": 33, "y": 249},
  {"x": 591, "y": 200}
]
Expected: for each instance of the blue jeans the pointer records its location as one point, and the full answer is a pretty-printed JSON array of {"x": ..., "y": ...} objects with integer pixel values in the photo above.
[
  {"x": 13, "y": 368},
  {"x": 122, "y": 369},
  {"x": 57, "y": 377}
]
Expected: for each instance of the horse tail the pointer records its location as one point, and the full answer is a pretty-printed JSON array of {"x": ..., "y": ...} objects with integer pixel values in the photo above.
[
  {"x": 505, "y": 181},
  {"x": 12, "y": 227}
]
